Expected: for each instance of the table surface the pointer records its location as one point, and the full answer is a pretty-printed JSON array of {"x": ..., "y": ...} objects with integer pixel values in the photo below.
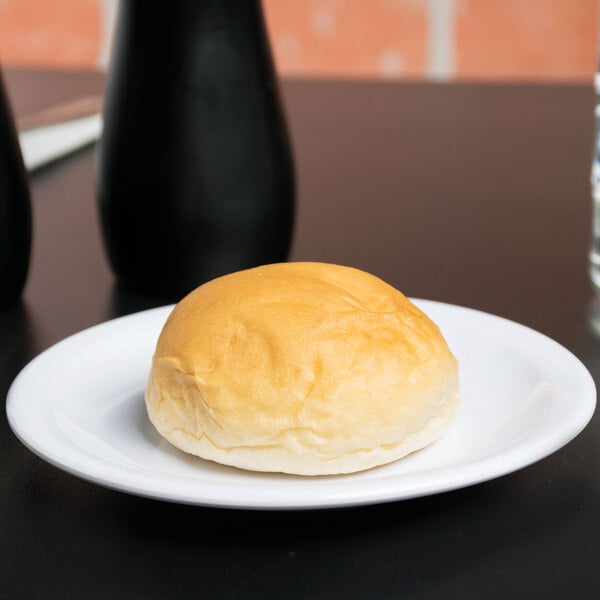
[{"x": 474, "y": 194}]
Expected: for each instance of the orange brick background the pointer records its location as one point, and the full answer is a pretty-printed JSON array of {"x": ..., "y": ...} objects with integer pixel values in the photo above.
[{"x": 443, "y": 39}]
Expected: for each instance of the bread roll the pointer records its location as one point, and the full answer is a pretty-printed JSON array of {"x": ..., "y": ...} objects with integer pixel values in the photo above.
[{"x": 304, "y": 368}]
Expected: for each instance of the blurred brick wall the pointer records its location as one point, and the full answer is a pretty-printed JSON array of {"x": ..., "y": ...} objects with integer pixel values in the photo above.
[{"x": 442, "y": 39}]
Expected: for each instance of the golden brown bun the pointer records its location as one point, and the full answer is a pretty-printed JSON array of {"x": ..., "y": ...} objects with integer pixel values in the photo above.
[{"x": 304, "y": 368}]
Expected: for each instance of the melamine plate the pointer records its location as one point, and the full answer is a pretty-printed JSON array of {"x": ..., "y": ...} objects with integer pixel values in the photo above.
[{"x": 80, "y": 406}]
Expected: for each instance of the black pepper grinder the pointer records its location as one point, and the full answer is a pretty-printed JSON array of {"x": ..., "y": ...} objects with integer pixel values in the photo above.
[
  {"x": 15, "y": 210},
  {"x": 195, "y": 175}
]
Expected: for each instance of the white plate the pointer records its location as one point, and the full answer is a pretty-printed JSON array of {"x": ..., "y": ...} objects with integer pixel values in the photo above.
[{"x": 80, "y": 406}]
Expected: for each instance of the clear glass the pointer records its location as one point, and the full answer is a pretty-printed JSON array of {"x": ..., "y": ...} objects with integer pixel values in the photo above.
[{"x": 595, "y": 183}]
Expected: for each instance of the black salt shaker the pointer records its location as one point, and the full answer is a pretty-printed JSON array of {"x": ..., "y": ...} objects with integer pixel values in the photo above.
[
  {"x": 15, "y": 210},
  {"x": 195, "y": 175}
]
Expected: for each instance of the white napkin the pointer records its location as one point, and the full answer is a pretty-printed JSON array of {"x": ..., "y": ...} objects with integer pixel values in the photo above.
[{"x": 44, "y": 144}]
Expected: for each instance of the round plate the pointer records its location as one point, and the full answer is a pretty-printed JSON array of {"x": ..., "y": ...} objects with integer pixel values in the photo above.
[{"x": 80, "y": 406}]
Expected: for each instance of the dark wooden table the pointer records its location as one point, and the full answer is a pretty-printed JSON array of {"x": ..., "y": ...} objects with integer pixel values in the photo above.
[{"x": 470, "y": 194}]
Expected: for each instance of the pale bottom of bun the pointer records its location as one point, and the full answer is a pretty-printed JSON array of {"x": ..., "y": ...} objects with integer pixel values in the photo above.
[{"x": 279, "y": 459}]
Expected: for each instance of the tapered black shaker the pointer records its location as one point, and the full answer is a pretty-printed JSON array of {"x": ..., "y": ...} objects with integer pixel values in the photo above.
[
  {"x": 195, "y": 174},
  {"x": 15, "y": 210}
]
